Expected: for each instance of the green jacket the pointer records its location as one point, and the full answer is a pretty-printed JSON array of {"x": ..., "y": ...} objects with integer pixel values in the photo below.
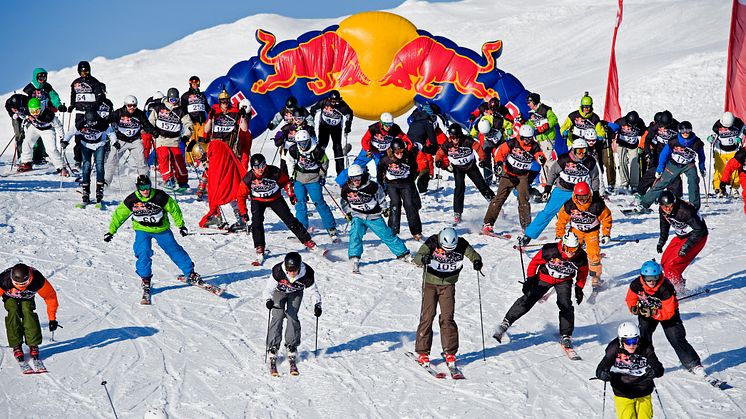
[
  {"x": 53, "y": 96},
  {"x": 444, "y": 267},
  {"x": 147, "y": 213},
  {"x": 506, "y": 128},
  {"x": 536, "y": 119}
]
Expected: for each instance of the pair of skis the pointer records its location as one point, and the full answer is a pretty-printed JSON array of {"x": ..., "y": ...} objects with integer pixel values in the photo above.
[
  {"x": 35, "y": 367},
  {"x": 146, "y": 292},
  {"x": 453, "y": 370}
]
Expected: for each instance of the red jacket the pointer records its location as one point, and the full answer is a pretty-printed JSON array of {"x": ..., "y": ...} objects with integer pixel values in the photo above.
[
  {"x": 376, "y": 132},
  {"x": 553, "y": 266},
  {"x": 266, "y": 188}
]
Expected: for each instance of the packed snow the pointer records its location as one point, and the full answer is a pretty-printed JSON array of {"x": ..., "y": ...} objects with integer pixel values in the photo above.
[{"x": 192, "y": 354}]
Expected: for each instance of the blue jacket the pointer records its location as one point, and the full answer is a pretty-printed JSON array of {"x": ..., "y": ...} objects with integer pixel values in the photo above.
[{"x": 693, "y": 143}]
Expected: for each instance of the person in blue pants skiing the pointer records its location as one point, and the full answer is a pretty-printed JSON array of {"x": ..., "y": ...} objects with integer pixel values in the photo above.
[
  {"x": 575, "y": 166},
  {"x": 365, "y": 205},
  {"x": 150, "y": 209},
  {"x": 307, "y": 165}
]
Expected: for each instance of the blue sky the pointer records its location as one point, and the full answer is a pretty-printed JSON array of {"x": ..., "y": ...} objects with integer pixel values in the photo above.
[{"x": 55, "y": 33}]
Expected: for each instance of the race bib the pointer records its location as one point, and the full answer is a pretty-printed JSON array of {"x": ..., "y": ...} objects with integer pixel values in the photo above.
[
  {"x": 168, "y": 126},
  {"x": 520, "y": 160},
  {"x": 261, "y": 189},
  {"x": 728, "y": 140},
  {"x": 583, "y": 220},
  {"x": 630, "y": 139},
  {"x": 683, "y": 155},
  {"x": 85, "y": 97},
  {"x": 152, "y": 219},
  {"x": 332, "y": 117},
  {"x": 574, "y": 179},
  {"x": 494, "y": 136},
  {"x": 128, "y": 131},
  {"x": 397, "y": 171},
  {"x": 223, "y": 128},
  {"x": 195, "y": 107},
  {"x": 583, "y": 132},
  {"x": 382, "y": 142},
  {"x": 680, "y": 228},
  {"x": 461, "y": 156}
]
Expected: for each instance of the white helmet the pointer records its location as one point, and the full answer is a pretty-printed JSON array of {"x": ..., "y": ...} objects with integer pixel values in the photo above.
[
  {"x": 590, "y": 135},
  {"x": 627, "y": 330},
  {"x": 570, "y": 240},
  {"x": 130, "y": 100},
  {"x": 579, "y": 143},
  {"x": 387, "y": 118},
  {"x": 355, "y": 170},
  {"x": 303, "y": 139},
  {"x": 244, "y": 104},
  {"x": 448, "y": 238},
  {"x": 727, "y": 119},
  {"x": 484, "y": 126},
  {"x": 155, "y": 413},
  {"x": 526, "y": 131},
  {"x": 158, "y": 95}
]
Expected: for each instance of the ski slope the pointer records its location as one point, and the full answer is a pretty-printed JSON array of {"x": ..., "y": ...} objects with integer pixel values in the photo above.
[{"x": 195, "y": 355}]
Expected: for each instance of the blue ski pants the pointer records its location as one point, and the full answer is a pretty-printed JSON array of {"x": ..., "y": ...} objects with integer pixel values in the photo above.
[
  {"x": 302, "y": 191},
  {"x": 144, "y": 252},
  {"x": 542, "y": 219},
  {"x": 380, "y": 229}
]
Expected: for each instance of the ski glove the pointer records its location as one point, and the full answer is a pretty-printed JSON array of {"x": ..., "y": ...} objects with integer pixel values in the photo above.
[
  {"x": 426, "y": 258},
  {"x": 635, "y": 309},
  {"x": 605, "y": 240},
  {"x": 658, "y": 175},
  {"x": 578, "y": 294},
  {"x": 348, "y": 130},
  {"x": 245, "y": 217},
  {"x": 650, "y": 373},
  {"x": 542, "y": 160},
  {"x": 71, "y": 109},
  {"x": 659, "y": 248},
  {"x": 682, "y": 252},
  {"x": 62, "y": 108},
  {"x": 293, "y": 199},
  {"x": 64, "y": 144},
  {"x": 478, "y": 265},
  {"x": 482, "y": 164},
  {"x": 499, "y": 170},
  {"x": 53, "y": 325},
  {"x": 386, "y": 212},
  {"x": 439, "y": 164},
  {"x": 269, "y": 304},
  {"x": 604, "y": 375},
  {"x": 317, "y": 310},
  {"x": 184, "y": 231},
  {"x": 117, "y": 145},
  {"x": 529, "y": 283},
  {"x": 108, "y": 237},
  {"x": 368, "y": 154},
  {"x": 348, "y": 217},
  {"x": 185, "y": 139}
]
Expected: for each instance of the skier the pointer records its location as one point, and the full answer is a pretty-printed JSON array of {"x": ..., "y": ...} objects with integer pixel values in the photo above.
[
  {"x": 735, "y": 165},
  {"x": 333, "y": 110},
  {"x": 630, "y": 364},
  {"x": 513, "y": 160},
  {"x": 555, "y": 265},
  {"x": 40, "y": 89},
  {"x": 95, "y": 134},
  {"x": 442, "y": 257},
  {"x": 285, "y": 137},
  {"x": 457, "y": 156},
  {"x": 397, "y": 171},
  {"x": 652, "y": 298},
  {"x": 195, "y": 104},
  {"x": 18, "y": 286},
  {"x": 426, "y": 135},
  {"x": 726, "y": 140},
  {"x": 544, "y": 121},
  {"x": 41, "y": 124},
  {"x": 495, "y": 129},
  {"x": 677, "y": 157},
  {"x": 128, "y": 122},
  {"x": 691, "y": 236},
  {"x": 284, "y": 291},
  {"x": 307, "y": 164},
  {"x": 365, "y": 205},
  {"x": 286, "y": 114},
  {"x": 571, "y": 168},
  {"x": 264, "y": 183},
  {"x": 150, "y": 209},
  {"x": 86, "y": 93},
  {"x": 147, "y": 139},
  {"x": 172, "y": 124},
  {"x": 587, "y": 215},
  {"x": 578, "y": 123},
  {"x": 663, "y": 129},
  {"x": 17, "y": 108},
  {"x": 628, "y": 131}
]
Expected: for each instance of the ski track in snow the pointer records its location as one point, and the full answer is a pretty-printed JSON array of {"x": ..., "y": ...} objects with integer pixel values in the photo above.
[{"x": 197, "y": 355}]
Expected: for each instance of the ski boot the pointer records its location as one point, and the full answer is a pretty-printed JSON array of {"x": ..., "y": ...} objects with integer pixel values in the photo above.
[
  {"x": 195, "y": 279},
  {"x": 63, "y": 172},
  {"x": 456, "y": 218},
  {"x": 170, "y": 185},
  {"x": 33, "y": 352},
  {"x": 259, "y": 256},
  {"x": 18, "y": 353},
  {"x": 183, "y": 187},
  {"x": 355, "y": 264},
  {"x": 487, "y": 229},
  {"x": 24, "y": 167},
  {"x": 698, "y": 370},
  {"x": 405, "y": 257},
  {"x": 215, "y": 221},
  {"x": 292, "y": 352},
  {"x": 424, "y": 360},
  {"x": 86, "y": 193},
  {"x": 333, "y": 235},
  {"x": 240, "y": 224},
  {"x": 311, "y": 245},
  {"x": 566, "y": 341},
  {"x": 501, "y": 329},
  {"x": 450, "y": 360},
  {"x": 146, "y": 289},
  {"x": 417, "y": 237},
  {"x": 99, "y": 192}
]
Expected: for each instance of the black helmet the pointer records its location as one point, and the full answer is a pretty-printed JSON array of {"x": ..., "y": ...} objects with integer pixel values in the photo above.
[
  {"x": 632, "y": 117},
  {"x": 533, "y": 98},
  {"x": 194, "y": 78},
  {"x": 455, "y": 130},
  {"x": 142, "y": 181},
  {"x": 334, "y": 95},
  {"x": 298, "y": 113},
  {"x": 494, "y": 104},
  {"x": 398, "y": 144},
  {"x": 15, "y": 102},
  {"x": 291, "y": 103},
  {"x": 84, "y": 66},
  {"x": 667, "y": 198},
  {"x": 258, "y": 161},
  {"x": 91, "y": 117},
  {"x": 666, "y": 118},
  {"x": 20, "y": 275},
  {"x": 292, "y": 262},
  {"x": 657, "y": 117},
  {"x": 685, "y": 126},
  {"x": 173, "y": 93}
]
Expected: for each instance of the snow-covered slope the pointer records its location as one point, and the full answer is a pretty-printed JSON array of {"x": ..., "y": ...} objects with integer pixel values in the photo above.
[{"x": 194, "y": 355}]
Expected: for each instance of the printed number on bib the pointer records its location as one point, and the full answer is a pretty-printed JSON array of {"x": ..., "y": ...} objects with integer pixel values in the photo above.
[{"x": 168, "y": 126}]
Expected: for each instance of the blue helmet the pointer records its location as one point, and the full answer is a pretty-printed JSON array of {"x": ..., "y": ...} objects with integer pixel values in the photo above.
[{"x": 651, "y": 268}]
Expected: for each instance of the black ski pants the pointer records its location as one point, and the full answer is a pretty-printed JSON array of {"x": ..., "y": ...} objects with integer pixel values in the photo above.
[
  {"x": 78, "y": 144},
  {"x": 335, "y": 133},
  {"x": 476, "y": 177},
  {"x": 280, "y": 207},
  {"x": 648, "y": 178},
  {"x": 534, "y": 294},
  {"x": 676, "y": 335},
  {"x": 404, "y": 194}
]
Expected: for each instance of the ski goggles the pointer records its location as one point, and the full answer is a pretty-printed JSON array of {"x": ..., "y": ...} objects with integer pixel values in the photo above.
[
  {"x": 651, "y": 279},
  {"x": 224, "y": 100},
  {"x": 173, "y": 99},
  {"x": 570, "y": 249},
  {"x": 586, "y": 108},
  {"x": 685, "y": 131},
  {"x": 354, "y": 178},
  {"x": 142, "y": 188},
  {"x": 631, "y": 341},
  {"x": 131, "y": 105},
  {"x": 387, "y": 125},
  {"x": 34, "y": 112},
  {"x": 259, "y": 166},
  {"x": 41, "y": 76}
]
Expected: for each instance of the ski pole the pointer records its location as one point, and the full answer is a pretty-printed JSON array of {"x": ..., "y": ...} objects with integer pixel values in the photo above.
[
  {"x": 709, "y": 175},
  {"x": 103, "y": 383},
  {"x": 316, "y": 336},
  {"x": 517, "y": 247},
  {"x": 626, "y": 240},
  {"x": 9, "y": 143},
  {"x": 705, "y": 291},
  {"x": 337, "y": 205},
  {"x": 481, "y": 321},
  {"x": 264, "y": 141},
  {"x": 663, "y": 410},
  {"x": 603, "y": 406},
  {"x": 266, "y": 341},
  {"x": 523, "y": 269}
]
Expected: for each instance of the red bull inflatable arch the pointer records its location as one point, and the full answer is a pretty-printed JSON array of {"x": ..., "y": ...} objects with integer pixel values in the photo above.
[{"x": 379, "y": 62}]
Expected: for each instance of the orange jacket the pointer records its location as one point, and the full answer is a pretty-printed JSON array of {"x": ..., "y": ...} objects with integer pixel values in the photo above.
[
  {"x": 591, "y": 216},
  {"x": 662, "y": 297},
  {"x": 37, "y": 285}
]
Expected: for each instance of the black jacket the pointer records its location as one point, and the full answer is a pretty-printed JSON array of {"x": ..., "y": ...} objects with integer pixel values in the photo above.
[{"x": 627, "y": 370}]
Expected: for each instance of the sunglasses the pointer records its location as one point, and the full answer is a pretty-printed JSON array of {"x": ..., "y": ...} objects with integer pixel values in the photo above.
[
  {"x": 194, "y": 81},
  {"x": 631, "y": 341}
]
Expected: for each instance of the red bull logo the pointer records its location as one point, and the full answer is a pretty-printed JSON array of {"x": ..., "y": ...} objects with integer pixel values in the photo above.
[
  {"x": 425, "y": 65},
  {"x": 334, "y": 64}
]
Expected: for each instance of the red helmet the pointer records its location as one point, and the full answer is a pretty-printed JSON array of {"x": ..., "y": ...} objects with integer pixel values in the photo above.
[{"x": 582, "y": 188}]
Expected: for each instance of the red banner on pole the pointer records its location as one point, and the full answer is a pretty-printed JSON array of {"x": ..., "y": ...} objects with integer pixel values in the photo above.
[
  {"x": 735, "y": 83},
  {"x": 612, "y": 110}
]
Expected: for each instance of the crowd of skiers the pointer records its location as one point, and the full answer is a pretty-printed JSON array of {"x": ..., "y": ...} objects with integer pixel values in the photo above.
[{"x": 571, "y": 167}]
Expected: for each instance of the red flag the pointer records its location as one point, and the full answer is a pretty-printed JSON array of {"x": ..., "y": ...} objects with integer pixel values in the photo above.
[
  {"x": 612, "y": 110},
  {"x": 735, "y": 84}
]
